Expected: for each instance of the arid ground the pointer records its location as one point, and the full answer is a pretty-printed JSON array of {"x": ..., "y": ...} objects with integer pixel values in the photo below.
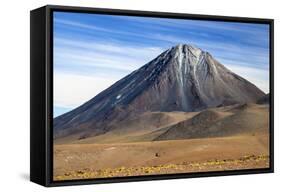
[{"x": 158, "y": 150}]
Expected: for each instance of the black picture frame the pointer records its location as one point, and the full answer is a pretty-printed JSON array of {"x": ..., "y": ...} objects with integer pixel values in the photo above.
[{"x": 41, "y": 94}]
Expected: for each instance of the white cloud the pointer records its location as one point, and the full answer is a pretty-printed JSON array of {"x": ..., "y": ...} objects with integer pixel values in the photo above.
[
  {"x": 80, "y": 25},
  {"x": 71, "y": 90},
  {"x": 99, "y": 54},
  {"x": 259, "y": 77}
]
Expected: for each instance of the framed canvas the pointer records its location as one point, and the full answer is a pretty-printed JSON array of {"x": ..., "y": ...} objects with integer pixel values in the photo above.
[{"x": 123, "y": 95}]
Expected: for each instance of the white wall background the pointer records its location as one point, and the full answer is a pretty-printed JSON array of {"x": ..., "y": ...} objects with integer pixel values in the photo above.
[{"x": 14, "y": 95}]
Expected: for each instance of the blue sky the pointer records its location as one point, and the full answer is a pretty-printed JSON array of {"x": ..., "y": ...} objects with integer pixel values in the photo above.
[{"x": 92, "y": 51}]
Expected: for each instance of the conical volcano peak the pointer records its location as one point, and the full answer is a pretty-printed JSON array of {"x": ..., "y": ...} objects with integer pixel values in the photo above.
[
  {"x": 185, "y": 56},
  {"x": 182, "y": 78},
  {"x": 188, "y": 48}
]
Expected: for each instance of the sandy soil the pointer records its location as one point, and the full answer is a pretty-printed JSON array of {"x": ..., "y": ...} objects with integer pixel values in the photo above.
[
  {"x": 76, "y": 161},
  {"x": 142, "y": 128}
]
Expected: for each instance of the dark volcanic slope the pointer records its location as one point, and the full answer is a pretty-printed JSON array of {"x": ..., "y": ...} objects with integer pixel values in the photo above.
[
  {"x": 210, "y": 123},
  {"x": 183, "y": 78},
  {"x": 192, "y": 128},
  {"x": 264, "y": 99}
]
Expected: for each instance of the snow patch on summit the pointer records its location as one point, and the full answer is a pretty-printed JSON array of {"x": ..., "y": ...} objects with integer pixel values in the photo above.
[
  {"x": 118, "y": 96},
  {"x": 180, "y": 62}
]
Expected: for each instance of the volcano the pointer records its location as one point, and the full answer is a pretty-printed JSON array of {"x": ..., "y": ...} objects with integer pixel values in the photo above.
[{"x": 183, "y": 78}]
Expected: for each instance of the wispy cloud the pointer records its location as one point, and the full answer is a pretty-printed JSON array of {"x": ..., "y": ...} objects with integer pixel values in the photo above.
[
  {"x": 80, "y": 25},
  {"x": 72, "y": 90},
  {"x": 96, "y": 55},
  {"x": 260, "y": 77}
]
